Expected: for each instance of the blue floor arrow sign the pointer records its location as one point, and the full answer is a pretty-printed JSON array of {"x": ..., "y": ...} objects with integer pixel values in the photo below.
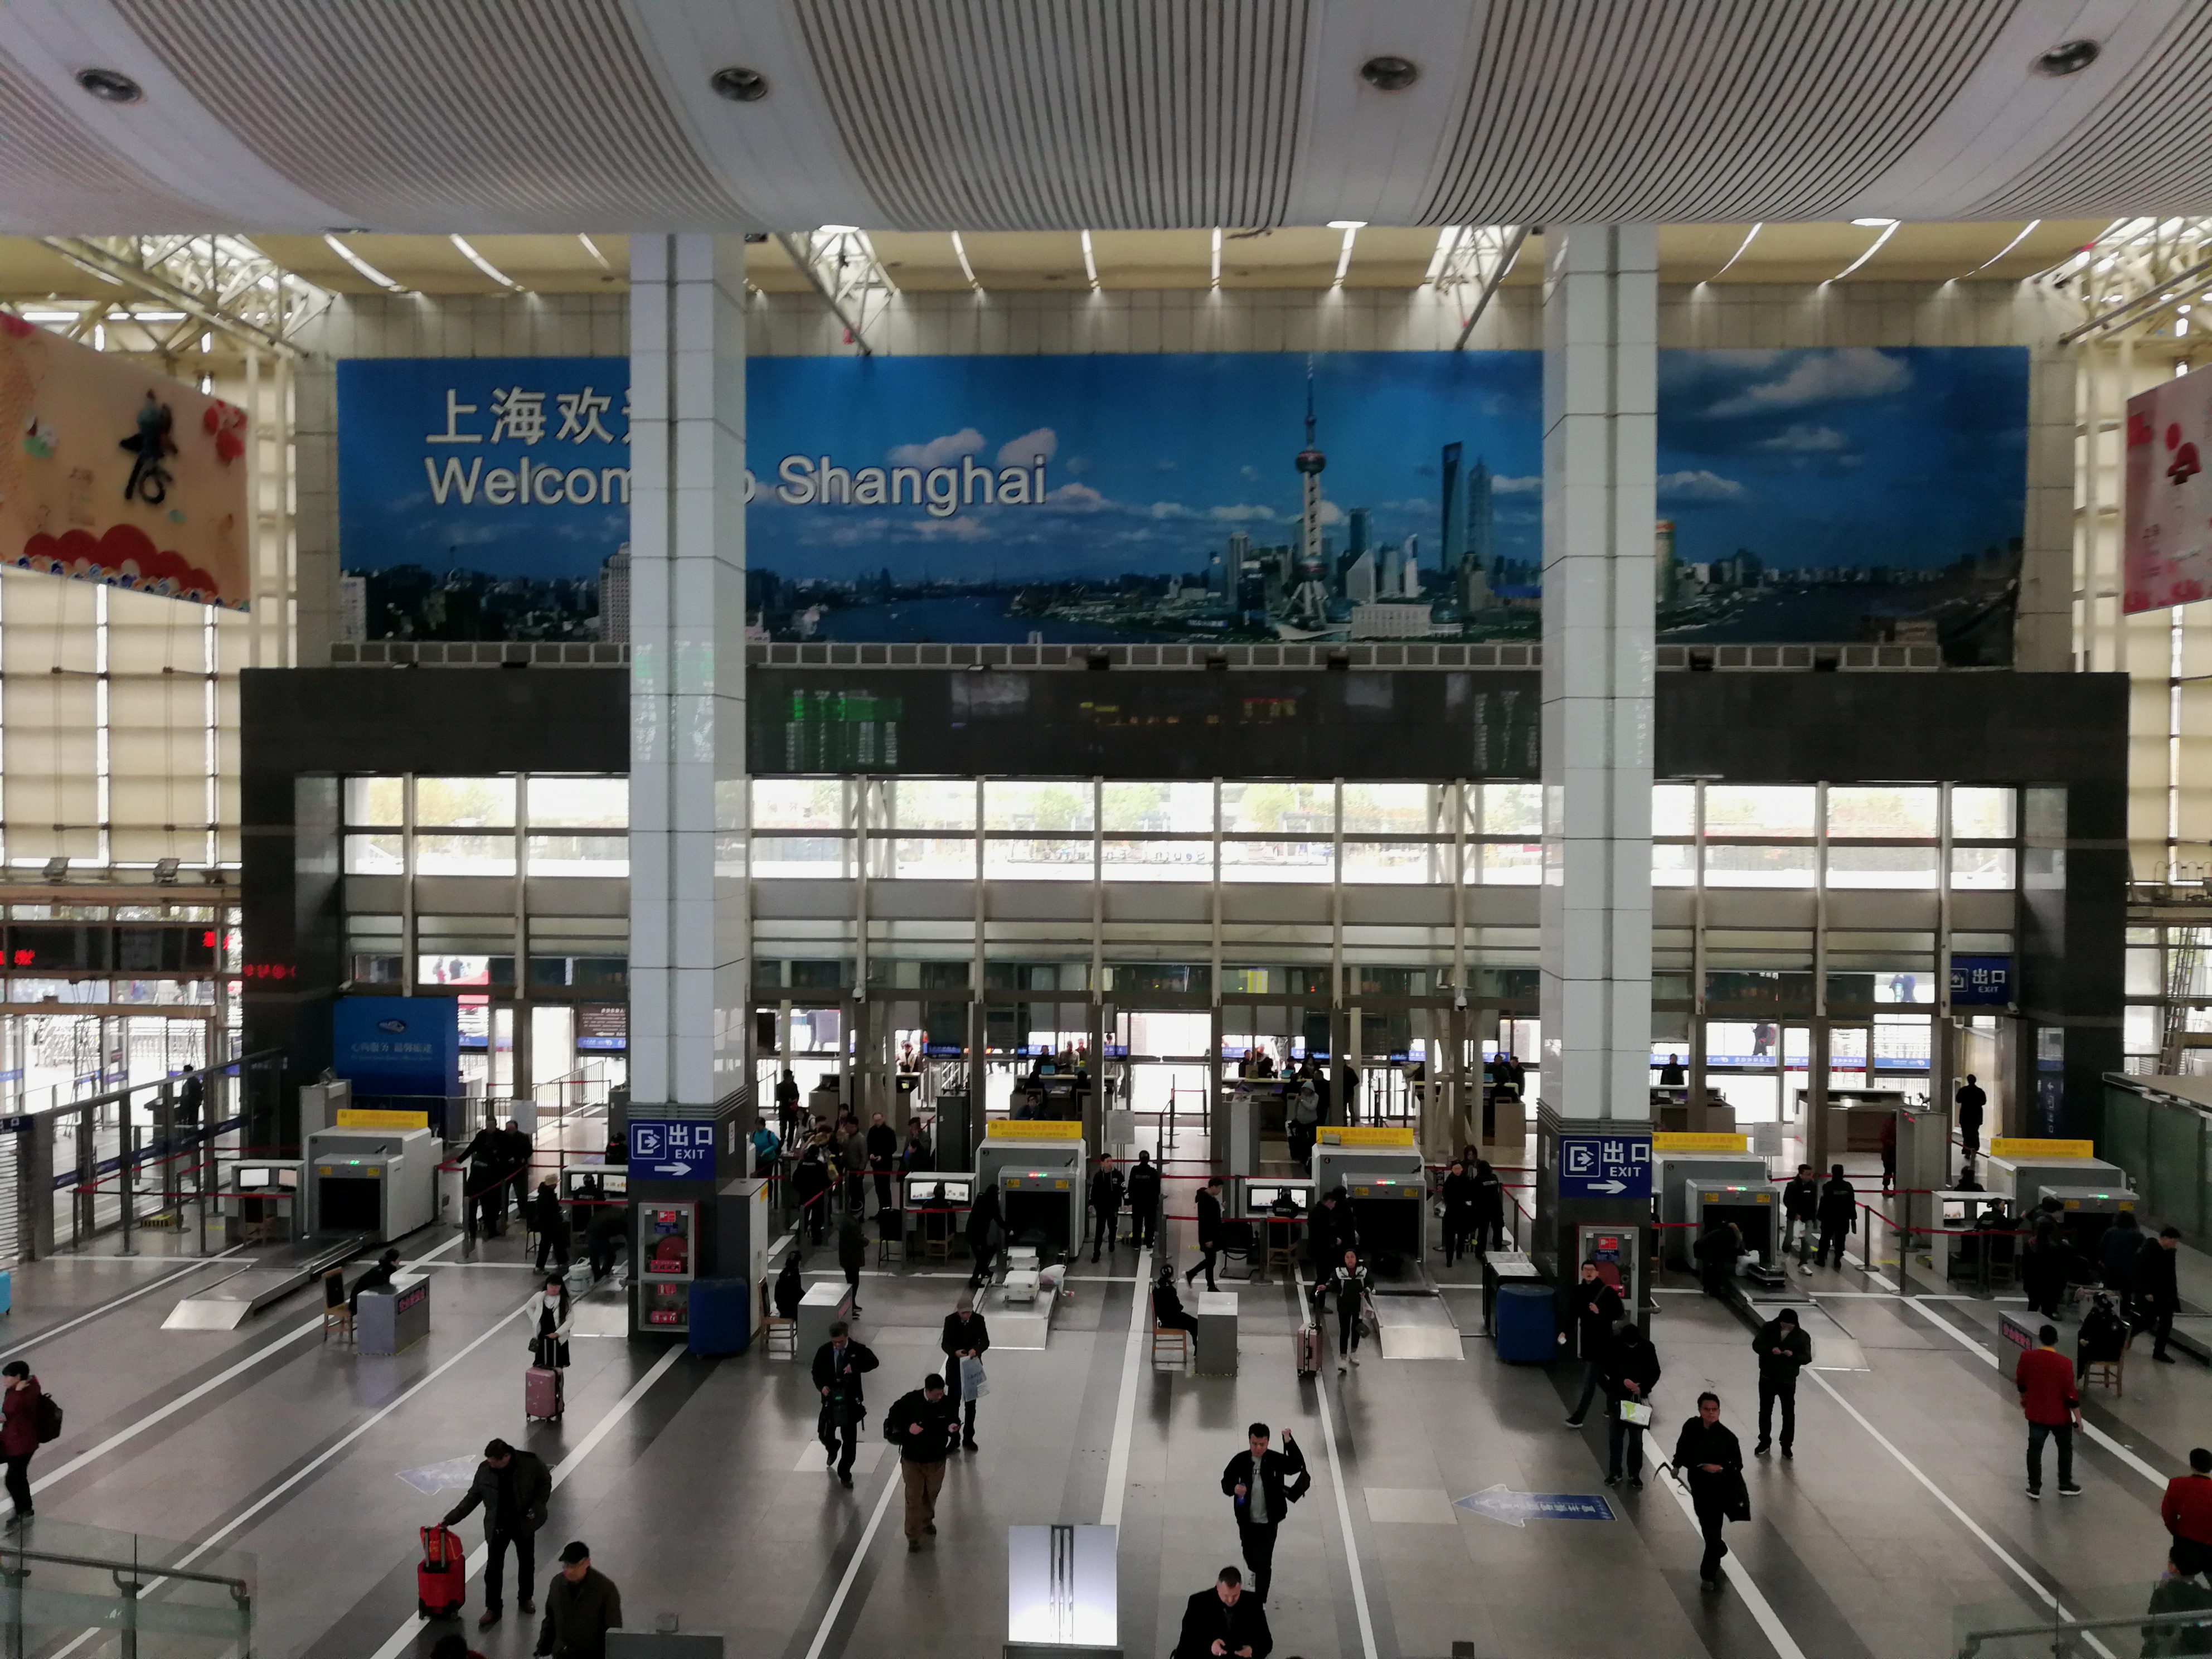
[
  {"x": 1517, "y": 1509},
  {"x": 454, "y": 1474}
]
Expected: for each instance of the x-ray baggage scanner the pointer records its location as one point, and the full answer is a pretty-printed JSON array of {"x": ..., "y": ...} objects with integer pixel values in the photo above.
[
  {"x": 1752, "y": 1206},
  {"x": 1670, "y": 1182},
  {"x": 383, "y": 1182},
  {"x": 1381, "y": 1172},
  {"x": 2085, "y": 1213},
  {"x": 1041, "y": 1179}
]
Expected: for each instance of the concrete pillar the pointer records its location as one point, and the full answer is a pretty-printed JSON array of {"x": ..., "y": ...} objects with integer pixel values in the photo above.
[
  {"x": 690, "y": 967},
  {"x": 1601, "y": 366}
]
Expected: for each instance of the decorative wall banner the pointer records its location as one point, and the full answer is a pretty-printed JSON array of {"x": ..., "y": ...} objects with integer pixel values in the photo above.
[
  {"x": 111, "y": 473},
  {"x": 2168, "y": 556},
  {"x": 1817, "y": 494}
]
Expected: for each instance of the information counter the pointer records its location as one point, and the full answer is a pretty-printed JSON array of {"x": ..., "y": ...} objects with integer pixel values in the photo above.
[{"x": 394, "y": 1316}]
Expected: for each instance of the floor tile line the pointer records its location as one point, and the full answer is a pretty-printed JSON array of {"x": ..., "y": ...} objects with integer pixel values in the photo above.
[
  {"x": 1754, "y": 1599},
  {"x": 107, "y": 1307},
  {"x": 1343, "y": 1503},
  {"x": 892, "y": 1481},
  {"x": 1125, "y": 1413}
]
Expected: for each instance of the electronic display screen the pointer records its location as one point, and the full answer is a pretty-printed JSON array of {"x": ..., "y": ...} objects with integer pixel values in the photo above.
[
  {"x": 602, "y": 1027},
  {"x": 1259, "y": 1198},
  {"x": 256, "y": 1178}
]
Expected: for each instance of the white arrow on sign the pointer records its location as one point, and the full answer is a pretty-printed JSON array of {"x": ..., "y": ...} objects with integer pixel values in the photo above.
[
  {"x": 671, "y": 1169},
  {"x": 1608, "y": 1186}
]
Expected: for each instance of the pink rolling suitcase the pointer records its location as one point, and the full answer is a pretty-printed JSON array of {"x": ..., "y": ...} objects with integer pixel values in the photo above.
[
  {"x": 541, "y": 1393},
  {"x": 1308, "y": 1350}
]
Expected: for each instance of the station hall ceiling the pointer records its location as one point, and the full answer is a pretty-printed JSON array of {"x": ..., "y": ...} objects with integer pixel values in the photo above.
[{"x": 1135, "y": 118}]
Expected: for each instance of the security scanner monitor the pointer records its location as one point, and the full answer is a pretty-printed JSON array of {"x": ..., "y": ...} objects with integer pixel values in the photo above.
[
  {"x": 263, "y": 1193},
  {"x": 2086, "y": 1212},
  {"x": 1040, "y": 1183},
  {"x": 1063, "y": 1094},
  {"x": 1671, "y": 1175},
  {"x": 1990, "y": 1256},
  {"x": 611, "y": 1181},
  {"x": 938, "y": 1190},
  {"x": 1257, "y": 1197},
  {"x": 1756, "y": 1210},
  {"x": 381, "y": 1183}
]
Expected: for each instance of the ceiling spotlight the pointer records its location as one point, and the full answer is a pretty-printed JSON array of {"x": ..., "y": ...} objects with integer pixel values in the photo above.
[
  {"x": 740, "y": 85},
  {"x": 1390, "y": 74},
  {"x": 2070, "y": 58},
  {"x": 114, "y": 86}
]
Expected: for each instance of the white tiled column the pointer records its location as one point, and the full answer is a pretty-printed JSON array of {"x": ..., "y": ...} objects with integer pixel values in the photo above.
[
  {"x": 690, "y": 970},
  {"x": 1601, "y": 364}
]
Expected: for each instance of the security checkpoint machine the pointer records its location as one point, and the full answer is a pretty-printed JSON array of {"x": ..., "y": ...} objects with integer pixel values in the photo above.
[
  {"x": 382, "y": 1182},
  {"x": 1381, "y": 1170},
  {"x": 935, "y": 1209},
  {"x": 2020, "y": 1169},
  {"x": 2086, "y": 1212},
  {"x": 1675, "y": 1169},
  {"x": 1755, "y": 1207},
  {"x": 1040, "y": 1171}
]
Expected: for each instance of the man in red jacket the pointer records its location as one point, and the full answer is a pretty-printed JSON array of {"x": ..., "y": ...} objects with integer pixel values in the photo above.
[
  {"x": 2187, "y": 1512},
  {"x": 2053, "y": 1405}
]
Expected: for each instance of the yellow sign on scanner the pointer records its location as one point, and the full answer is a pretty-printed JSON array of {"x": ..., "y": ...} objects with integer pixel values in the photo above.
[
  {"x": 1681, "y": 1141},
  {"x": 2024, "y": 1146},
  {"x": 364, "y": 1117},
  {"x": 1002, "y": 1128},
  {"x": 1381, "y": 1135}
]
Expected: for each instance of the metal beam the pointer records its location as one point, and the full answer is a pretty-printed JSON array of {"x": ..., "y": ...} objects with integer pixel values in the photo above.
[
  {"x": 842, "y": 266},
  {"x": 224, "y": 282},
  {"x": 2134, "y": 277},
  {"x": 1477, "y": 261}
]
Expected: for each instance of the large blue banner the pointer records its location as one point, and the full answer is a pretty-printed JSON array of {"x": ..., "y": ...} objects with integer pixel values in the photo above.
[
  {"x": 398, "y": 1046},
  {"x": 1803, "y": 495}
]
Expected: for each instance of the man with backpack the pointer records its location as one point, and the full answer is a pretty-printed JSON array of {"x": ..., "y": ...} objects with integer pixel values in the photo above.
[
  {"x": 925, "y": 1425},
  {"x": 28, "y": 1419}
]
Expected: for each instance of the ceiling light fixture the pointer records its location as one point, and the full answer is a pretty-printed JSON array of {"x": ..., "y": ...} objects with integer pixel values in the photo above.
[
  {"x": 960, "y": 252},
  {"x": 109, "y": 86},
  {"x": 838, "y": 230},
  {"x": 2070, "y": 58},
  {"x": 1888, "y": 231},
  {"x": 740, "y": 85},
  {"x": 483, "y": 263},
  {"x": 1445, "y": 238},
  {"x": 1351, "y": 227},
  {"x": 1215, "y": 280},
  {"x": 1389, "y": 74},
  {"x": 1742, "y": 247},
  {"x": 362, "y": 265},
  {"x": 48, "y": 316},
  {"x": 593, "y": 248},
  {"x": 1874, "y": 224},
  {"x": 2025, "y": 231},
  {"x": 1089, "y": 261}
]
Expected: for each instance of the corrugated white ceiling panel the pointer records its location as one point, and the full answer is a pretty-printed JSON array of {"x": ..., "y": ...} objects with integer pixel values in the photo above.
[
  {"x": 487, "y": 114},
  {"x": 1007, "y": 114},
  {"x": 57, "y": 175}
]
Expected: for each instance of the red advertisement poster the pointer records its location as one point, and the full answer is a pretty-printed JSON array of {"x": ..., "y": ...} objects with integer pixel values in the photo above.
[{"x": 2168, "y": 557}]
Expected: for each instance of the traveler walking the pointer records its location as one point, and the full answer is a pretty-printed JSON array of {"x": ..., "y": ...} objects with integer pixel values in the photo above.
[
  {"x": 787, "y": 1104},
  {"x": 1716, "y": 1251},
  {"x": 513, "y": 1487},
  {"x": 2118, "y": 1249},
  {"x": 1105, "y": 1205},
  {"x": 1489, "y": 1209},
  {"x": 810, "y": 1189},
  {"x": 965, "y": 1338},
  {"x": 1261, "y": 1486},
  {"x": 1629, "y": 1374},
  {"x": 2043, "y": 1267},
  {"x": 1889, "y": 1152},
  {"x": 486, "y": 1159},
  {"x": 1143, "y": 1196},
  {"x": 925, "y": 1425},
  {"x": 2157, "y": 1291},
  {"x": 883, "y": 1145},
  {"x": 1224, "y": 1623},
  {"x": 1801, "y": 1208},
  {"x": 1970, "y": 1100},
  {"x": 1839, "y": 1211},
  {"x": 1351, "y": 1287},
  {"x": 1784, "y": 1349},
  {"x": 520, "y": 1151},
  {"x": 851, "y": 1252},
  {"x": 25, "y": 1416},
  {"x": 1458, "y": 1195},
  {"x": 1332, "y": 1230},
  {"x": 548, "y": 1346},
  {"x": 1303, "y": 1121},
  {"x": 551, "y": 1223},
  {"x": 2186, "y": 1509},
  {"x": 839, "y": 1365},
  {"x": 983, "y": 1233},
  {"x": 1707, "y": 1452},
  {"x": 1209, "y": 1231},
  {"x": 1596, "y": 1311},
  {"x": 581, "y": 1606},
  {"x": 2053, "y": 1407}
]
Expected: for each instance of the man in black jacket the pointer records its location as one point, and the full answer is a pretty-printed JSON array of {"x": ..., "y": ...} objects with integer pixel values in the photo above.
[
  {"x": 1105, "y": 1205},
  {"x": 1839, "y": 1211},
  {"x": 1713, "y": 1461},
  {"x": 2158, "y": 1291},
  {"x": 1597, "y": 1310},
  {"x": 1261, "y": 1486},
  {"x": 1629, "y": 1372},
  {"x": 1801, "y": 1210},
  {"x": 513, "y": 1487},
  {"x": 1143, "y": 1196},
  {"x": 1458, "y": 1195},
  {"x": 1224, "y": 1623},
  {"x": 1784, "y": 1349},
  {"x": 965, "y": 1337},
  {"x": 925, "y": 1425},
  {"x": 486, "y": 1158},
  {"x": 883, "y": 1158},
  {"x": 1209, "y": 1231},
  {"x": 839, "y": 1364},
  {"x": 1716, "y": 1251}
]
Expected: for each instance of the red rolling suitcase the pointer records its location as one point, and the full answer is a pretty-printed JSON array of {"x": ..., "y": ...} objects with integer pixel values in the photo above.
[
  {"x": 541, "y": 1392},
  {"x": 1308, "y": 1350},
  {"x": 441, "y": 1576}
]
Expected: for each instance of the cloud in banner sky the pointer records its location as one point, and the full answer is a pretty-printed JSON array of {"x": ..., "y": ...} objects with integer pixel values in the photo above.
[
  {"x": 1820, "y": 377},
  {"x": 1528, "y": 485},
  {"x": 940, "y": 452},
  {"x": 1800, "y": 439},
  {"x": 1700, "y": 485},
  {"x": 1024, "y": 450}
]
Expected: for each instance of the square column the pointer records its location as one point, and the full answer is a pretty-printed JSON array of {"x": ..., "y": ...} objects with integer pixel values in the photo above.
[
  {"x": 690, "y": 953},
  {"x": 1601, "y": 436}
]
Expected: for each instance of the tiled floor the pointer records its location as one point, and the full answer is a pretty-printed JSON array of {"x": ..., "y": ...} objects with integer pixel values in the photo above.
[{"x": 700, "y": 1489}]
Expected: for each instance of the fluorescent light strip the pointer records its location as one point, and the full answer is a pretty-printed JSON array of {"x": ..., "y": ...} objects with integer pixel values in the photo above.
[
  {"x": 483, "y": 263},
  {"x": 1344, "y": 253},
  {"x": 1867, "y": 255},
  {"x": 362, "y": 265},
  {"x": 1445, "y": 238},
  {"x": 1741, "y": 248},
  {"x": 1090, "y": 261},
  {"x": 2006, "y": 249},
  {"x": 960, "y": 251},
  {"x": 1215, "y": 280},
  {"x": 593, "y": 248}
]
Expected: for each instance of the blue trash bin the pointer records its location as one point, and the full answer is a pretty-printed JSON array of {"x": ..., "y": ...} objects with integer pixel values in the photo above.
[
  {"x": 1528, "y": 1328},
  {"x": 722, "y": 1310}
]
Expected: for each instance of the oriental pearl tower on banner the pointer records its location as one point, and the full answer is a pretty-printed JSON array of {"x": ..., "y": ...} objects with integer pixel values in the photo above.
[{"x": 1309, "y": 603}]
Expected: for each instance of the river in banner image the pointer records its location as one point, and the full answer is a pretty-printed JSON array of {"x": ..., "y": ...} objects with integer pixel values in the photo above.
[{"x": 972, "y": 619}]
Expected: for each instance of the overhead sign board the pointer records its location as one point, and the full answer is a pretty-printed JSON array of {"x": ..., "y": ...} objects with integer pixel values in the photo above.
[
  {"x": 1033, "y": 1129},
  {"x": 672, "y": 1149},
  {"x": 1379, "y": 1134},
  {"x": 1605, "y": 1166}
]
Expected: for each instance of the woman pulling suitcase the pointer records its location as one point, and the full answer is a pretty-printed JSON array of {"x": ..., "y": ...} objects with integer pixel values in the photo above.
[{"x": 549, "y": 1353}]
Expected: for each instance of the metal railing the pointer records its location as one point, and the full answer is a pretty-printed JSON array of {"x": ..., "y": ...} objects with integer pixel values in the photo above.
[
  {"x": 2076, "y": 1638},
  {"x": 138, "y": 1592}
]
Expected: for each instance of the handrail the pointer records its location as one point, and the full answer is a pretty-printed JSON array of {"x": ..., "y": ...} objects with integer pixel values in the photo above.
[
  {"x": 241, "y": 1589},
  {"x": 128, "y": 1090},
  {"x": 2064, "y": 1626}
]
